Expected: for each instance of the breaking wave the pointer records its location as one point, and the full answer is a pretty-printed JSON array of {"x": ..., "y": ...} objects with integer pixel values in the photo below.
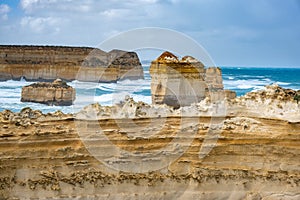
[{"x": 242, "y": 81}]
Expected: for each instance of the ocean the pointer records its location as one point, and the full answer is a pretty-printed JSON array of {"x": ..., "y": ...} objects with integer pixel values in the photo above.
[{"x": 239, "y": 79}]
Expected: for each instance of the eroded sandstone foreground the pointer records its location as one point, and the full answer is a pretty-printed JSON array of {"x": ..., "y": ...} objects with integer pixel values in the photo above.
[{"x": 242, "y": 148}]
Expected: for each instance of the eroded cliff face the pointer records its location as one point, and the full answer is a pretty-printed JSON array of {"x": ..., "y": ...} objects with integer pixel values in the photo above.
[
  {"x": 221, "y": 155},
  {"x": 47, "y": 63},
  {"x": 56, "y": 93},
  {"x": 182, "y": 82}
]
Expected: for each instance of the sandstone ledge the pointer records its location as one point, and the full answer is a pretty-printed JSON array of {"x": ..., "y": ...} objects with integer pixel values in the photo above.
[
  {"x": 42, "y": 156},
  {"x": 254, "y": 157}
]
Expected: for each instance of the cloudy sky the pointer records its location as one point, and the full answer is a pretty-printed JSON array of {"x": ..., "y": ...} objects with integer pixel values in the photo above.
[{"x": 234, "y": 32}]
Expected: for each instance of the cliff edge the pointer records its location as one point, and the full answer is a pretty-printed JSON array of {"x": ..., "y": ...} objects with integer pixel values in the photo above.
[{"x": 47, "y": 63}]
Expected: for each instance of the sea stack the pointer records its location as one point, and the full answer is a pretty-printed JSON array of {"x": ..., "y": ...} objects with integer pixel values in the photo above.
[
  {"x": 56, "y": 93},
  {"x": 183, "y": 82}
]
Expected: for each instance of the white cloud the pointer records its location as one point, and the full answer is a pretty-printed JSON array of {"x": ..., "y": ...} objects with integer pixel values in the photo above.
[
  {"x": 4, "y": 10},
  {"x": 28, "y": 3},
  {"x": 219, "y": 25},
  {"x": 40, "y": 24},
  {"x": 115, "y": 13},
  {"x": 32, "y": 6}
]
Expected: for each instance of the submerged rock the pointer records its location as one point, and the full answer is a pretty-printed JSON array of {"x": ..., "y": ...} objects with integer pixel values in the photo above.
[{"x": 56, "y": 93}]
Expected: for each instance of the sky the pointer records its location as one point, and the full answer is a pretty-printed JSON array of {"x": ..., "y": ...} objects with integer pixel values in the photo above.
[{"x": 234, "y": 32}]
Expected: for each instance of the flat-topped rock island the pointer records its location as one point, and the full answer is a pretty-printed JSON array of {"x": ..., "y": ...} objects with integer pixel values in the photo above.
[{"x": 57, "y": 93}]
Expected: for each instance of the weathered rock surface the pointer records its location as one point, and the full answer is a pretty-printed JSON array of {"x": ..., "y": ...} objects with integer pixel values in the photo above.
[
  {"x": 183, "y": 82},
  {"x": 271, "y": 102},
  {"x": 229, "y": 94},
  {"x": 47, "y": 63},
  {"x": 238, "y": 155},
  {"x": 56, "y": 93}
]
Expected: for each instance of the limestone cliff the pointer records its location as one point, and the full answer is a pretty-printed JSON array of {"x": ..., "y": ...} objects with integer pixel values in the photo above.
[
  {"x": 46, "y": 63},
  {"x": 57, "y": 93},
  {"x": 182, "y": 82},
  {"x": 46, "y": 156}
]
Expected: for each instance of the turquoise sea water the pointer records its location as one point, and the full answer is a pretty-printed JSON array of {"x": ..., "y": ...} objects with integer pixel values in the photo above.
[
  {"x": 246, "y": 79},
  {"x": 239, "y": 79}
]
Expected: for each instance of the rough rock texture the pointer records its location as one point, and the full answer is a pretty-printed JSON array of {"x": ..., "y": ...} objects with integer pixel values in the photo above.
[
  {"x": 56, "y": 93},
  {"x": 222, "y": 155},
  {"x": 271, "y": 102},
  {"x": 229, "y": 94},
  {"x": 182, "y": 82},
  {"x": 46, "y": 63}
]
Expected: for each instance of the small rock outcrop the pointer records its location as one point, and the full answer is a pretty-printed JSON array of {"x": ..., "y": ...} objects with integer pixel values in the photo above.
[
  {"x": 56, "y": 93},
  {"x": 47, "y": 63},
  {"x": 273, "y": 92},
  {"x": 229, "y": 94},
  {"x": 183, "y": 82},
  {"x": 272, "y": 101}
]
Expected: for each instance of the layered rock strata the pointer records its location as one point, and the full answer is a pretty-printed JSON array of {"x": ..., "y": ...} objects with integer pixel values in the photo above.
[
  {"x": 46, "y": 156},
  {"x": 181, "y": 82},
  {"x": 56, "y": 93},
  {"x": 47, "y": 63}
]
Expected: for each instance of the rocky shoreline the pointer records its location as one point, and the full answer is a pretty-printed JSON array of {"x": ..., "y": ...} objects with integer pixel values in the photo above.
[
  {"x": 195, "y": 141},
  {"x": 242, "y": 148}
]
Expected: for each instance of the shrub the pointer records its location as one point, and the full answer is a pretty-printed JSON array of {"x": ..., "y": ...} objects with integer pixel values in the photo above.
[{"x": 297, "y": 97}]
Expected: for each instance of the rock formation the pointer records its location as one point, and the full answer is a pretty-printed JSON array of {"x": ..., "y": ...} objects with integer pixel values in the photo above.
[
  {"x": 47, "y": 63},
  {"x": 44, "y": 156},
  {"x": 182, "y": 82},
  {"x": 56, "y": 93},
  {"x": 271, "y": 102}
]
